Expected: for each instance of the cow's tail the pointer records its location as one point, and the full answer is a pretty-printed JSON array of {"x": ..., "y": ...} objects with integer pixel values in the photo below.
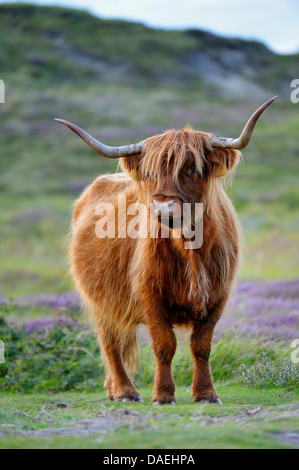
[{"x": 131, "y": 352}]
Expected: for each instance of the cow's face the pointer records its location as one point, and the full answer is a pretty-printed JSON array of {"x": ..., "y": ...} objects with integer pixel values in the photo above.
[
  {"x": 178, "y": 169},
  {"x": 173, "y": 191}
]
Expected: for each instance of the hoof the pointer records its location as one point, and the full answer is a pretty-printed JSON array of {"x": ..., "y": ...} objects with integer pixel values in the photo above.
[
  {"x": 159, "y": 403},
  {"x": 132, "y": 399},
  {"x": 209, "y": 401}
]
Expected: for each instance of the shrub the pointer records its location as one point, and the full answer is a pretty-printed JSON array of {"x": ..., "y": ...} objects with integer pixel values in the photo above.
[
  {"x": 64, "y": 357},
  {"x": 268, "y": 373}
]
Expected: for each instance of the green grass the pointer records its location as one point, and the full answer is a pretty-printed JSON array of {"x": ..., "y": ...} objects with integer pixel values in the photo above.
[
  {"x": 186, "y": 425},
  {"x": 52, "y": 393},
  {"x": 52, "y": 382}
]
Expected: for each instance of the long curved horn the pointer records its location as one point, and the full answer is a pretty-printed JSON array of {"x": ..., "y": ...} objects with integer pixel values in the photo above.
[
  {"x": 102, "y": 149},
  {"x": 243, "y": 140}
]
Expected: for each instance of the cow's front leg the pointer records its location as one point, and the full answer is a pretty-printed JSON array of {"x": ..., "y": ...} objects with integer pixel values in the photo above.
[
  {"x": 164, "y": 345},
  {"x": 201, "y": 340}
]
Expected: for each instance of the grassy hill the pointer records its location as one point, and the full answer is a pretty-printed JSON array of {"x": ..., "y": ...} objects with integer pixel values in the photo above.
[
  {"x": 123, "y": 82},
  {"x": 62, "y": 44}
]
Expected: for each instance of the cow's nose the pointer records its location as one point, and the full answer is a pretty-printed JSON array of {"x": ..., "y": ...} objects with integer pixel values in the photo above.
[{"x": 163, "y": 208}]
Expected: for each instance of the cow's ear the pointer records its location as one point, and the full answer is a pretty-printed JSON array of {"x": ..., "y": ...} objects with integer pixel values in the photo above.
[
  {"x": 223, "y": 161},
  {"x": 131, "y": 166}
]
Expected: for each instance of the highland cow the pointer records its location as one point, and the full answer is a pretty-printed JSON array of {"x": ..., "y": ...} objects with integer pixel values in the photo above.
[{"x": 156, "y": 281}]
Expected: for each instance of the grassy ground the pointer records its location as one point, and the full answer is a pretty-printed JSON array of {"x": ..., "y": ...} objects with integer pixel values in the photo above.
[
  {"x": 52, "y": 393},
  {"x": 248, "y": 418}
]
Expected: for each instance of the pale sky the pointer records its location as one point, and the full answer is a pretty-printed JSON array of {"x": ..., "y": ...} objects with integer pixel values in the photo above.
[{"x": 274, "y": 22}]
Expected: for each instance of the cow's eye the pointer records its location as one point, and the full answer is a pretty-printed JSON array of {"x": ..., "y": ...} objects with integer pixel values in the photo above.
[{"x": 190, "y": 171}]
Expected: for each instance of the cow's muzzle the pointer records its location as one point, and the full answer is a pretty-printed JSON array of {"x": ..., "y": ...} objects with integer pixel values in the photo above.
[{"x": 163, "y": 209}]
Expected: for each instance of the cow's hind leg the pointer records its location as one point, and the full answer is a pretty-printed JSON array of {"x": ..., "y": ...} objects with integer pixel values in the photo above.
[
  {"x": 118, "y": 383},
  {"x": 202, "y": 389}
]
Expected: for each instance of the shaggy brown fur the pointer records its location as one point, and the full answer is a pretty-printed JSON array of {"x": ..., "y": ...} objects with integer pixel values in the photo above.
[{"x": 157, "y": 282}]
